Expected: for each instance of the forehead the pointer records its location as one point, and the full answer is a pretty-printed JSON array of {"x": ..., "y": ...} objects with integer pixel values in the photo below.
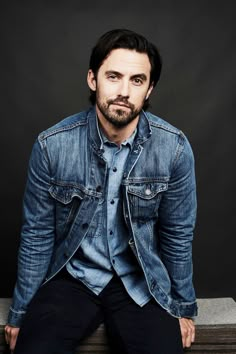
[{"x": 127, "y": 61}]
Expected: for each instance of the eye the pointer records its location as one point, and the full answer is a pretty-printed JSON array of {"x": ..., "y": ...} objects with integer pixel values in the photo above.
[
  {"x": 137, "y": 81},
  {"x": 112, "y": 77}
]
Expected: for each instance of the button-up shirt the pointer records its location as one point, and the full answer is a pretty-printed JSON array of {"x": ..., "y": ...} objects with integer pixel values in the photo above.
[{"x": 105, "y": 248}]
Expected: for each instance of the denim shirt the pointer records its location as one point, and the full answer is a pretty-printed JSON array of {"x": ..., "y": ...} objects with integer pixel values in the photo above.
[
  {"x": 105, "y": 247},
  {"x": 67, "y": 182}
]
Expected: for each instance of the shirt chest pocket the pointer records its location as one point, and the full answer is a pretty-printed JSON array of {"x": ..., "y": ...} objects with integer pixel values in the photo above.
[{"x": 144, "y": 199}]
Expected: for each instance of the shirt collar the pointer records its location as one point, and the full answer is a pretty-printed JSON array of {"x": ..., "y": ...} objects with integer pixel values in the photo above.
[{"x": 104, "y": 140}]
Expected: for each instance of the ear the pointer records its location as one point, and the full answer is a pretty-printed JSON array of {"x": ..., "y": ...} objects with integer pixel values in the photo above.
[
  {"x": 91, "y": 80},
  {"x": 149, "y": 91}
]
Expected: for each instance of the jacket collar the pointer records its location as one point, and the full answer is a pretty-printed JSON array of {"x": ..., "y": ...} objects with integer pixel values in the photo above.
[{"x": 143, "y": 130}]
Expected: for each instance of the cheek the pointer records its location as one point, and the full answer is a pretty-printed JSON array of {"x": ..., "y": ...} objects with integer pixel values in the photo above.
[
  {"x": 106, "y": 92},
  {"x": 138, "y": 98},
  {"x": 139, "y": 92}
]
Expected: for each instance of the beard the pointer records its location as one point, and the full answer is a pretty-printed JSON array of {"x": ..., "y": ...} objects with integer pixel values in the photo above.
[{"x": 119, "y": 117}]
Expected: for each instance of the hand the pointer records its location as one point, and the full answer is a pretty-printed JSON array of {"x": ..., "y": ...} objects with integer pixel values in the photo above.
[
  {"x": 11, "y": 334},
  {"x": 187, "y": 328}
]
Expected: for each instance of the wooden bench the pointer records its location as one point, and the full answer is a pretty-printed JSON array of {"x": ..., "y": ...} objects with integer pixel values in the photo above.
[{"x": 215, "y": 329}]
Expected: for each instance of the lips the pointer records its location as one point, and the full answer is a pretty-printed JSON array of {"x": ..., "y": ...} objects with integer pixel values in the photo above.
[{"x": 121, "y": 104}]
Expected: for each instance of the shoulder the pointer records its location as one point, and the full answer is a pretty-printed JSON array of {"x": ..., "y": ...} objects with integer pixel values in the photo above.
[
  {"x": 161, "y": 128},
  {"x": 157, "y": 123},
  {"x": 67, "y": 124},
  {"x": 169, "y": 138}
]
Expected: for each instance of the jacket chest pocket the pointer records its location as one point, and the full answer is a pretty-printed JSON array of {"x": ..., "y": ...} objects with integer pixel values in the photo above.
[
  {"x": 144, "y": 199},
  {"x": 67, "y": 203}
]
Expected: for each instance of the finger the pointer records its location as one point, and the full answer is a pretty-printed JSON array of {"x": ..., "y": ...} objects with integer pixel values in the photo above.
[
  {"x": 184, "y": 338},
  {"x": 193, "y": 334},
  {"x": 12, "y": 343},
  {"x": 187, "y": 336},
  {"x": 6, "y": 335},
  {"x": 192, "y": 330},
  {"x": 188, "y": 341}
]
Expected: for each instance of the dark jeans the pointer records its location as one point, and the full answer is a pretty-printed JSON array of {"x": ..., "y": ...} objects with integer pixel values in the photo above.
[{"x": 64, "y": 311}]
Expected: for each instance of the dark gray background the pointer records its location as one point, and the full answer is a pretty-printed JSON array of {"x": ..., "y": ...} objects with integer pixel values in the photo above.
[{"x": 45, "y": 48}]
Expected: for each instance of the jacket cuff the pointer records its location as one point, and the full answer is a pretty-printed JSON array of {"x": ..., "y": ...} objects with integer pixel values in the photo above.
[
  {"x": 188, "y": 310},
  {"x": 15, "y": 317}
]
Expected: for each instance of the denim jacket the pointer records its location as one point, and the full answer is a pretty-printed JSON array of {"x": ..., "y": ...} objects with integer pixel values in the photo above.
[{"x": 66, "y": 182}]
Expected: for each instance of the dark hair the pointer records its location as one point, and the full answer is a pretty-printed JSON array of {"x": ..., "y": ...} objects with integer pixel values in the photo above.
[{"x": 126, "y": 39}]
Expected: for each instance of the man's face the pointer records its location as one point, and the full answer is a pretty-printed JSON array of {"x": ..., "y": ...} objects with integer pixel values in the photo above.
[{"x": 122, "y": 85}]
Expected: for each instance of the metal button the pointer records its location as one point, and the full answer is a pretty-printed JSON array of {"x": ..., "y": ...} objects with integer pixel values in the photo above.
[
  {"x": 99, "y": 188},
  {"x": 148, "y": 191}
]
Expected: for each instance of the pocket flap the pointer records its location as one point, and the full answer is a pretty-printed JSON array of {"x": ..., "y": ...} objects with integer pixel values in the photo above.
[
  {"x": 147, "y": 190},
  {"x": 65, "y": 194}
]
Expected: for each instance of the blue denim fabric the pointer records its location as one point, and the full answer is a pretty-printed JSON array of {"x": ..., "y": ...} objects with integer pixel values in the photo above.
[
  {"x": 105, "y": 247},
  {"x": 67, "y": 181}
]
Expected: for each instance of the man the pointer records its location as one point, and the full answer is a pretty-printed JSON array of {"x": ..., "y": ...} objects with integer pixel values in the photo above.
[{"x": 109, "y": 212}]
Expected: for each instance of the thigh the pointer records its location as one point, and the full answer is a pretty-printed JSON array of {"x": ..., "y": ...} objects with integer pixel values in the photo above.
[
  {"x": 62, "y": 313},
  {"x": 144, "y": 330}
]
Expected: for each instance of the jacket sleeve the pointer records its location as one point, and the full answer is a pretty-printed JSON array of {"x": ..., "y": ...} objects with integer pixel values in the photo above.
[
  {"x": 37, "y": 234},
  {"x": 176, "y": 225}
]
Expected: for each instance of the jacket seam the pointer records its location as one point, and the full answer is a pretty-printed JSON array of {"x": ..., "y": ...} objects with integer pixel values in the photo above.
[
  {"x": 179, "y": 149},
  {"x": 164, "y": 127},
  {"x": 44, "y": 135},
  {"x": 17, "y": 312}
]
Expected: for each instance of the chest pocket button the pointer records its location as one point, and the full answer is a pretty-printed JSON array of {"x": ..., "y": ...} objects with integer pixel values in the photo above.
[{"x": 148, "y": 191}]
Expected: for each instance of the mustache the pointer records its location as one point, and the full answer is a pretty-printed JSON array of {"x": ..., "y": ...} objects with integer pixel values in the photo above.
[{"x": 121, "y": 99}]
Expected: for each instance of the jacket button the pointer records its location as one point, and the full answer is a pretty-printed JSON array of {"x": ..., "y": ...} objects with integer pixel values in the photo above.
[
  {"x": 99, "y": 188},
  {"x": 85, "y": 225},
  {"x": 148, "y": 191},
  {"x": 101, "y": 163}
]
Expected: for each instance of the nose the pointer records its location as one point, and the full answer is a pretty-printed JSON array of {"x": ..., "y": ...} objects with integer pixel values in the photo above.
[{"x": 124, "y": 88}]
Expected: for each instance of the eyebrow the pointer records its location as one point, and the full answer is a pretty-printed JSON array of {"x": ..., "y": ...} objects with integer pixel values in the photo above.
[{"x": 141, "y": 75}]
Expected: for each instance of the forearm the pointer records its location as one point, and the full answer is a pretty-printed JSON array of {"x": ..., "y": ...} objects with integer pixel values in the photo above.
[
  {"x": 37, "y": 235},
  {"x": 176, "y": 226}
]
